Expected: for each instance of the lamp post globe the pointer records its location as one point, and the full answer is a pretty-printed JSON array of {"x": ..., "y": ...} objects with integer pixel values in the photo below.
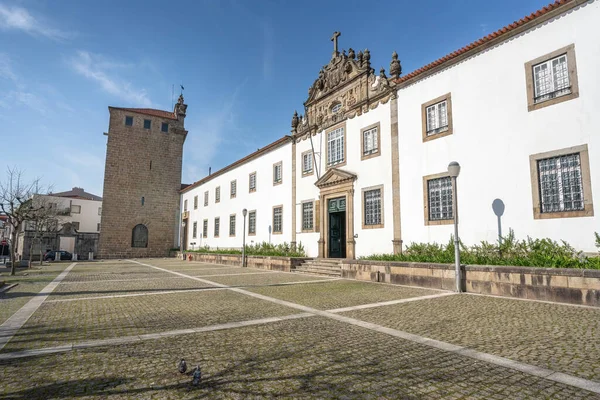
[{"x": 453, "y": 172}]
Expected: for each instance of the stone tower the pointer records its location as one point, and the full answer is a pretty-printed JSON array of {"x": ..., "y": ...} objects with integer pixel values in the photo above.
[{"x": 142, "y": 179}]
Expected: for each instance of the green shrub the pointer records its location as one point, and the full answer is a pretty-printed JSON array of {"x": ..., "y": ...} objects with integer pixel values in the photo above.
[
  {"x": 260, "y": 249},
  {"x": 509, "y": 251}
]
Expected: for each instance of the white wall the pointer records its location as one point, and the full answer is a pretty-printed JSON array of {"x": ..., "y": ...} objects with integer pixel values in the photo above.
[
  {"x": 494, "y": 135},
  {"x": 88, "y": 218},
  {"x": 266, "y": 196}
]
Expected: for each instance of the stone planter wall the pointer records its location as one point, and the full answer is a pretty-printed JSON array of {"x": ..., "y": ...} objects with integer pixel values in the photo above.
[
  {"x": 285, "y": 264},
  {"x": 575, "y": 286}
]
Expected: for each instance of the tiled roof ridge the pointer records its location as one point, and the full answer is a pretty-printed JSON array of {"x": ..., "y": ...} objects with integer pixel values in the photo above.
[
  {"x": 149, "y": 111},
  {"x": 480, "y": 42}
]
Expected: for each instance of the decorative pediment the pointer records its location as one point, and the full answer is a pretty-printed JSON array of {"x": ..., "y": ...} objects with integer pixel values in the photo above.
[{"x": 334, "y": 177}]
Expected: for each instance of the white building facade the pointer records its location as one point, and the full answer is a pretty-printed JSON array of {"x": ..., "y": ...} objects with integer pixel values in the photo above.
[{"x": 364, "y": 171}]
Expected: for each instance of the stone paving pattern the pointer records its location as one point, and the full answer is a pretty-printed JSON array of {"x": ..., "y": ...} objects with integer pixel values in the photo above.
[
  {"x": 313, "y": 357},
  {"x": 552, "y": 336}
]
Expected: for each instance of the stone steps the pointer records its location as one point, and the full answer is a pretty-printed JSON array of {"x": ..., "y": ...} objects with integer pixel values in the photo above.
[{"x": 325, "y": 267}]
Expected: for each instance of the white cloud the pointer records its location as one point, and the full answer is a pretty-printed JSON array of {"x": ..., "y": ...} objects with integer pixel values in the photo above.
[
  {"x": 17, "y": 98},
  {"x": 18, "y": 18},
  {"x": 6, "y": 71},
  {"x": 96, "y": 67}
]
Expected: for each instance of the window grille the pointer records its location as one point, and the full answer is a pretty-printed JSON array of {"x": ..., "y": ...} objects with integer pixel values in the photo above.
[
  {"x": 561, "y": 186},
  {"x": 551, "y": 79},
  {"x": 277, "y": 217},
  {"x": 372, "y": 205},
  {"x": 139, "y": 236},
  {"x": 232, "y": 225},
  {"x": 307, "y": 216},
  {"x": 440, "y": 198},
  {"x": 205, "y": 228},
  {"x": 195, "y": 202},
  {"x": 147, "y": 124},
  {"x": 335, "y": 146},
  {"x": 164, "y": 127},
  {"x": 252, "y": 184},
  {"x": 128, "y": 121},
  {"x": 307, "y": 163},
  {"x": 437, "y": 118},
  {"x": 370, "y": 141},
  {"x": 252, "y": 222},
  {"x": 205, "y": 198},
  {"x": 233, "y": 188},
  {"x": 217, "y": 226},
  {"x": 218, "y": 194},
  {"x": 195, "y": 230},
  {"x": 277, "y": 173}
]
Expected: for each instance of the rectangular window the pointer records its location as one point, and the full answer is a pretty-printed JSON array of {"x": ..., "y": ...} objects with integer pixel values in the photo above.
[
  {"x": 560, "y": 183},
  {"x": 233, "y": 189},
  {"x": 147, "y": 124},
  {"x": 551, "y": 79},
  {"x": 75, "y": 209},
  {"x": 307, "y": 163},
  {"x": 98, "y": 227},
  {"x": 206, "y": 198},
  {"x": 439, "y": 198},
  {"x": 99, "y": 210},
  {"x": 217, "y": 226},
  {"x": 205, "y": 228},
  {"x": 252, "y": 182},
  {"x": 277, "y": 219},
  {"x": 252, "y": 223},
  {"x": 277, "y": 173},
  {"x": 75, "y": 225},
  {"x": 335, "y": 146},
  {"x": 232, "y": 225},
  {"x": 372, "y": 207},
  {"x": 128, "y": 121},
  {"x": 437, "y": 118},
  {"x": 185, "y": 205},
  {"x": 195, "y": 230},
  {"x": 218, "y": 194},
  {"x": 308, "y": 216},
  {"x": 370, "y": 141},
  {"x": 195, "y": 202},
  {"x": 164, "y": 127}
]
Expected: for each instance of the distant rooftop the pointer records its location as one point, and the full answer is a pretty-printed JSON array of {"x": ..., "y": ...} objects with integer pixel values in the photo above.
[{"x": 77, "y": 193}]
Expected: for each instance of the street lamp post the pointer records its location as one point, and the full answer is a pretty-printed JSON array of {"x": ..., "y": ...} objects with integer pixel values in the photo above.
[
  {"x": 244, "y": 212},
  {"x": 453, "y": 171}
]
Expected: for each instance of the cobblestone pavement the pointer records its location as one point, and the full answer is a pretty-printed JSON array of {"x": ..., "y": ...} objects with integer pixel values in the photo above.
[
  {"x": 311, "y": 357},
  {"x": 558, "y": 337}
]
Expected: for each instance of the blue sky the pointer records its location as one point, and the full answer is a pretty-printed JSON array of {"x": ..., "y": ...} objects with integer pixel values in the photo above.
[{"x": 246, "y": 66}]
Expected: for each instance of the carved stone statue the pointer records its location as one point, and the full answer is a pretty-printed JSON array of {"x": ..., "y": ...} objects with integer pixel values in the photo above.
[
  {"x": 382, "y": 73},
  {"x": 351, "y": 54},
  {"x": 295, "y": 120},
  {"x": 395, "y": 67},
  {"x": 180, "y": 107}
]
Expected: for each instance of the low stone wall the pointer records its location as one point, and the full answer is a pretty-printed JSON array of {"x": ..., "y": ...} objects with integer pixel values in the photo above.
[
  {"x": 575, "y": 286},
  {"x": 285, "y": 264}
]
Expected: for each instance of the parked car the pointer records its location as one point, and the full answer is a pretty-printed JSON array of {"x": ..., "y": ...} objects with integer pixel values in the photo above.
[{"x": 51, "y": 255}]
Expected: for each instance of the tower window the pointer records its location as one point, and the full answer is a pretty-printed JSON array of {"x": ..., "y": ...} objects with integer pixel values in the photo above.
[
  {"x": 164, "y": 127},
  {"x": 143, "y": 200},
  {"x": 128, "y": 121},
  {"x": 147, "y": 124}
]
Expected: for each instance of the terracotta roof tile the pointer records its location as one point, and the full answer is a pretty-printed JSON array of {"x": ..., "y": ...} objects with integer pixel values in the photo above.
[
  {"x": 503, "y": 31},
  {"x": 150, "y": 111}
]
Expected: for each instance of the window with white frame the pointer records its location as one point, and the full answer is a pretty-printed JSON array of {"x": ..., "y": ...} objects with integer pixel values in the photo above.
[
  {"x": 233, "y": 189},
  {"x": 232, "y": 225},
  {"x": 277, "y": 173},
  {"x": 335, "y": 146},
  {"x": 551, "y": 79},
  {"x": 277, "y": 219},
  {"x": 75, "y": 209},
  {"x": 308, "y": 216},
  {"x": 205, "y": 198},
  {"x": 252, "y": 223},
  {"x": 437, "y": 117},
  {"x": 372, "y": 207},
  {"x": 217, "y": 226},
  {"x": 195, "y": 202},
  {"x": 307, "y": 163},
  {"x": 370, "y": 141},
  {"x": 560, "y": 183},
  {"x": 194, "y": 230},
  {"x": 185, "y": 205},
  {"x": 75, "y": 225},
  {"x": 439, "y": 198},
  {"x": 218, "y": 194},
  {"x": 99, "y": 210},
  {"x": 205, "y": 228},
  {"x": 252, "y": 183}
]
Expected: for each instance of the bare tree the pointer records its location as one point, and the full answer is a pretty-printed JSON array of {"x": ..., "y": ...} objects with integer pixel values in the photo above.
[
  {"x": 44, "y": 221},
  {"x": 17, "y": 203}
]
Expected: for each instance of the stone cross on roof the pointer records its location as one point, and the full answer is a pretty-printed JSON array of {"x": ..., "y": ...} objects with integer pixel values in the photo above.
[{"x": 334, "y": 39}]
